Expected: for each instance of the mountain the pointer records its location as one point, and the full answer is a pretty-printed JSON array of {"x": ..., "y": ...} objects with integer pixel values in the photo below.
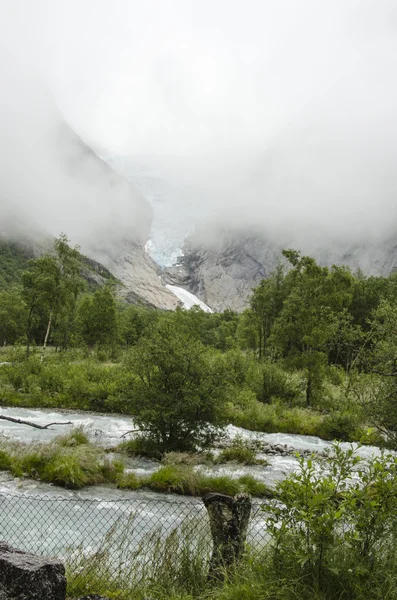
[
  {"x": 51, "y": 181},
  {"x": 222, "y": 265}
]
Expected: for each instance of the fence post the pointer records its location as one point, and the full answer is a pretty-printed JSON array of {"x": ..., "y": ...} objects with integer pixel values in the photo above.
[{"x": 229, "y": 518}]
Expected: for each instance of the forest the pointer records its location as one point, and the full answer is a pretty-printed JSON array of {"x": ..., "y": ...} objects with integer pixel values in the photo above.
[{"x": 314, "y": 353}]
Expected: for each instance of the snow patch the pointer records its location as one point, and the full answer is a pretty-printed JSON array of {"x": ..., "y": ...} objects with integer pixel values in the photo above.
[{"x": 187, "y": 298}]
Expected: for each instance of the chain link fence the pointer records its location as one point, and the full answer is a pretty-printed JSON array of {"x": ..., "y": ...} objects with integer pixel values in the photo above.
[{"x": 117, "y": 545}]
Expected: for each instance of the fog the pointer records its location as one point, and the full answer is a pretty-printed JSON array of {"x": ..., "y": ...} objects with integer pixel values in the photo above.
[{"x": 275, "y": 115}]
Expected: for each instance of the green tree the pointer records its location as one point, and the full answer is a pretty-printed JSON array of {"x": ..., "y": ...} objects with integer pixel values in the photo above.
[
  {"x": 12, "y": 317},
  {"x": 97, "y": 319},
  {"x": 381, "y": 359},
  {"x": 265, "y": 305},
  {"x": 311, "y": 316},
  {"x": 180, "y": 390},
  {"x": 51, "y": 284}
]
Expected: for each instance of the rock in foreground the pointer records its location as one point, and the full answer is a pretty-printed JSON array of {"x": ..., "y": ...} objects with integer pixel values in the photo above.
[{"x": 25, "y": 576}]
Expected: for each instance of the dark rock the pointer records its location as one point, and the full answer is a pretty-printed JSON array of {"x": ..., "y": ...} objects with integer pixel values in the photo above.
[{"x": 25, "y": 576}]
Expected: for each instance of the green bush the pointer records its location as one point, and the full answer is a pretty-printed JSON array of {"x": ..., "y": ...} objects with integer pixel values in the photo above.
[
  {"x": 335, "y": 530},
  {"x": 270, "y": 381},
  {"x": 142, "y": 446},
  {"x": 339, "y": 426},
  {"x": 239, "y": 451}
]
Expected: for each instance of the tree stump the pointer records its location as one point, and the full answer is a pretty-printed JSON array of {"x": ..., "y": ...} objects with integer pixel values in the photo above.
[{"x": 229, "y": 517}]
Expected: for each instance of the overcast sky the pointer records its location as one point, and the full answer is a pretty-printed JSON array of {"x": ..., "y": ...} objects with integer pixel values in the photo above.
[{"x": 282, "y": 112}]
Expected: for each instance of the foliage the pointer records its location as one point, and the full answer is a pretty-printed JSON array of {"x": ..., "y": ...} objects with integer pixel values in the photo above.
[
  {"x": 69, "y": 461},
  {"x": 179, "y": 392},
  {"x": 97, "y": 320},
  {"x": 185, "y": 480},
  {"x": 239, "y": 451},
  {"x": 334, "y": 529}
]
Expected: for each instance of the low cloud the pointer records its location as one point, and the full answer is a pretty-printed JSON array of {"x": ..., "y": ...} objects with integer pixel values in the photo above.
[{"x": 274, "y": 115}]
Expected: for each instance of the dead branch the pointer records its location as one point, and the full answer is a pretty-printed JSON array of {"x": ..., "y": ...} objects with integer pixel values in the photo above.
[
  {"x": 22, "y": 422},
  {"x": 132, "y": 431}
]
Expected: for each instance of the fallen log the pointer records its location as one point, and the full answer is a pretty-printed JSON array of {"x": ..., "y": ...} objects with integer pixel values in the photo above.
[{"x": 23, "y": 422}]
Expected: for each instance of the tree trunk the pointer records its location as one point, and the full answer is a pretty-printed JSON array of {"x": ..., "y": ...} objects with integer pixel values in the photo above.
[
  {"x": 229, "y": 518},
  {"x": 47, "y": 333},
  {"x": 309, "y": 390},
  {"x": 28, "y": 328}
]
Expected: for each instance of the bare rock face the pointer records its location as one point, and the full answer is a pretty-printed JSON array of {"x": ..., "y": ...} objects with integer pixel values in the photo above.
[
  {"x": 222, "y": 267},
  {"x": 139, "y": 274},
  {"x": 25, "y": 576}
]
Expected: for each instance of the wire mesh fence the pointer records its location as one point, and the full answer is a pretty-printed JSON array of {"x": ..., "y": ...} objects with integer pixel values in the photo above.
[{"x": 116, "y": 545}]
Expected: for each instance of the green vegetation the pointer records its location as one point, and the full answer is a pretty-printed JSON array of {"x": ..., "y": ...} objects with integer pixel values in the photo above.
[
  {"x": 68, "y": 461},
  {"x": 240, "y": 452},
  {"x": 313, "y": 354},
  {"x": 71, "y": 461},
  {"x": 14, "y": 259},
  {"x": 184, "y": 480},
  {"x": 332, "y": 537}
]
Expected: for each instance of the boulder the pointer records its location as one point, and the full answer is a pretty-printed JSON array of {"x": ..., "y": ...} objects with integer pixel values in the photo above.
[{"x": 25, "y": 576}]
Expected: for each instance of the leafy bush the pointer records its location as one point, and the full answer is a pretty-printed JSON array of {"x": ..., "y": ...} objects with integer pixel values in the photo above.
[
  {"x": 336, "y": 529},
  {"x": 270, "y": 381},
  {"x": 339, "y": 426}
]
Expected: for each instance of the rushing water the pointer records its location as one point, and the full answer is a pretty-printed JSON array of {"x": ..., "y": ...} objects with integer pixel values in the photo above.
[{"x": 44, "y": 518}]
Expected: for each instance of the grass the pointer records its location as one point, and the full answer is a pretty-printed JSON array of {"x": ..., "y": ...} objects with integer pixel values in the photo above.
[
  {"x": 76, "y": 380},
  {"x": 240, "y": 451},
  {"x": 70, "y": 461},
  {"x": 184, "y": 480},
  {"x": 300, "y": 561},
  {"x": 156, "y": 566}
]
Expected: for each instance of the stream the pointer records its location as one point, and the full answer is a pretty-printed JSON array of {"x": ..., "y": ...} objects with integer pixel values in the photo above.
[{"x": 46, "y": 519}]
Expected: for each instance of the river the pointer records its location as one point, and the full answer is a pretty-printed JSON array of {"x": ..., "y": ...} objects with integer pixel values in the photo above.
[{"x": 44, "y": 518}]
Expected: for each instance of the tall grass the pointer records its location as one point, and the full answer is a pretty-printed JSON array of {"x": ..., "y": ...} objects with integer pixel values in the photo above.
[
  {"x": 69, "y": 461},
  {"x": 333, "y": 537},
  {"x": 160, "y": 565}
]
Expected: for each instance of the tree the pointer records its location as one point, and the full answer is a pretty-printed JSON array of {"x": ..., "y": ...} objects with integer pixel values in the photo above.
[
  {"x": 12, "y": 317},
  {"x": 51, "y": 284},
  {"x": 97, "y": 319},
  {"x": 179, "y": 394},
  {"x": 311, "y": 315},
  {"x": 265, "y": 305},
  {"x": 381, "y": 359}
]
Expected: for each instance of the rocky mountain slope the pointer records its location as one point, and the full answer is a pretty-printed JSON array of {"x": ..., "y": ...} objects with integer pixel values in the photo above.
[
  {"x": 51, "y": 181},
  {"x": 221, "y": 266}
]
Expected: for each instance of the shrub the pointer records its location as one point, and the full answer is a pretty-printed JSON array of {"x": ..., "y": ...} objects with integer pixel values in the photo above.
[
  {"x": 339, "y": 426},
  {"x": 142, "y": 446},
  {"x": 335, "y": 529},
  {"x": 270, "y": 381},
  {"x": 239, "y": 451},
  {"x": 179, "y": 394}
]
